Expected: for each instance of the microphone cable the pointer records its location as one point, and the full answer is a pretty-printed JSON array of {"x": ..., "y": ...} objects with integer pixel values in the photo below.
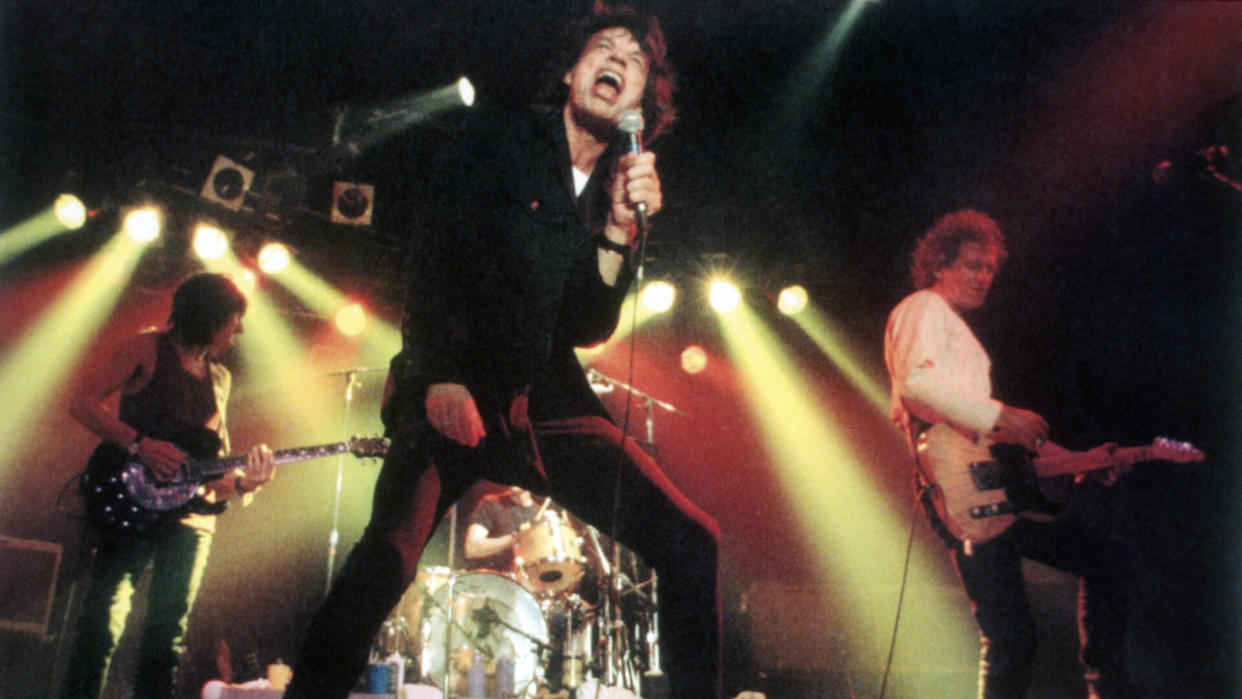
[
  {"x": 639, "y": 256},
  {"x": 901, "y": 589}
]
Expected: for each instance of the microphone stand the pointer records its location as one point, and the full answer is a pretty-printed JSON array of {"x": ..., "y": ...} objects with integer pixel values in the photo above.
[
  {"x": 351, "y": 382},
  {"x": 650, "y": 403}
]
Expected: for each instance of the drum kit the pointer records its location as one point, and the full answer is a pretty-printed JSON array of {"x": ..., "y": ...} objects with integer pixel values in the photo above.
[{"x": 568, "y": 620}]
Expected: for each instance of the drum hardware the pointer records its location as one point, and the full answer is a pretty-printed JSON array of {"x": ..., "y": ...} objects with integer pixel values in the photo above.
[{"x": 621, "y": 656}]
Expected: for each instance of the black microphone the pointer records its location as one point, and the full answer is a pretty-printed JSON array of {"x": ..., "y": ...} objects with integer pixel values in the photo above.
[{"x": 630, "y": 123}]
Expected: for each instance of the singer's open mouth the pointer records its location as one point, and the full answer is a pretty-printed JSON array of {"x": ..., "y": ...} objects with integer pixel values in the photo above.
[{"x": 609, "y": 78}]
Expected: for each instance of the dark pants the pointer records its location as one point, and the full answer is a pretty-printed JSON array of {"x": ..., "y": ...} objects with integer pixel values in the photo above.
[
  {"x": 178, "y": 557},
  {"x": 580, "y": 457},
  {"x": 992, "y": 576}
]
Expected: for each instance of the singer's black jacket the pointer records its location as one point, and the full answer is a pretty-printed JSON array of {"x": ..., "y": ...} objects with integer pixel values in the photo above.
[{"x": 502, "y": 277}]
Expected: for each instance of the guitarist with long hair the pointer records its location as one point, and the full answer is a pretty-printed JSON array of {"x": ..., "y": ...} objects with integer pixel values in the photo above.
[
  {"x": 173, "y": 392},
  {"x": 941, "y": 387}
]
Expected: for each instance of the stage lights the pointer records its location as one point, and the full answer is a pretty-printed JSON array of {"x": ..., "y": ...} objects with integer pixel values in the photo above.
[
  {"x": 143, "y": 224},
  {"x": 724, "y": 296},
  {"x": 351, "y": 319},
  {"x": 693, "y": 359},
  {"x": 70, "y": 211},
  {"x": 273, "y": 258},
  {"x": 658, "y": 296},
  {"x": 352, "y": 203},
  {"x": 209, "y": 242},
  {"x": 792, "y": 299},
  {"x": 227, "y": 183}
]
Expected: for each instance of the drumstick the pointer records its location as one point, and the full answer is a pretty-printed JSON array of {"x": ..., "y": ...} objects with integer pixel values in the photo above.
[{"x": 544, "y": 506}]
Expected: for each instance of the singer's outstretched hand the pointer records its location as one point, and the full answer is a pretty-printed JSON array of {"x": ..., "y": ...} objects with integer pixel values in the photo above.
[
  {"x": 452, "y": 412},
  {"x": 635, "y": 182}
]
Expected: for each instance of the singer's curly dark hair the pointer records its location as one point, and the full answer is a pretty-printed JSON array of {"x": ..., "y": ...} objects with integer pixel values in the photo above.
[
  {"x": 657, "y": 103},
  {"x": 940, "y": 245}
]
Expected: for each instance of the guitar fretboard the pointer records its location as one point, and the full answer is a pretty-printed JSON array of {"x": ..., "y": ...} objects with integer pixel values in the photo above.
[{"x": 203, "y": 469}]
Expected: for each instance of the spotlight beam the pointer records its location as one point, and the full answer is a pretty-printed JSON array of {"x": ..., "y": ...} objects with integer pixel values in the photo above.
[
  {"x": 34, "y": 370},
  {"x": 357, "y": 129},
  {"x": 829, "y": 341},
  {"x": 857, "y": 537},
  {"x": 29, "y": 234},
  {"x": 381, "y": 339}
]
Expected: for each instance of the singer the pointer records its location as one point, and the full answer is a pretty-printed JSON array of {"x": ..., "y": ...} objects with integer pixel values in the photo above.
[{"x": 520, "y": 240}]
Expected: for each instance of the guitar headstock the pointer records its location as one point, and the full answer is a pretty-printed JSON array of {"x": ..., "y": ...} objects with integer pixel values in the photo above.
[
  {"x": 368, "y": 447},
  {"x": 1165, "y": 449}
]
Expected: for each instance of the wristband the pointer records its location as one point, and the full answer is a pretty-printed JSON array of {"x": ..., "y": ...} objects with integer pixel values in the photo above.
[{"x": 609, "y": 244}]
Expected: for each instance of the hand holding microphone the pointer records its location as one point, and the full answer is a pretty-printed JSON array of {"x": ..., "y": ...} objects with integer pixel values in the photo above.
[{"x": 636, "y": 185}]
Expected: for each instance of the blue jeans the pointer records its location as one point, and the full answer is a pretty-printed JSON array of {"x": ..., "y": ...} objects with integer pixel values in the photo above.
[{"x": 178, "y": 556}]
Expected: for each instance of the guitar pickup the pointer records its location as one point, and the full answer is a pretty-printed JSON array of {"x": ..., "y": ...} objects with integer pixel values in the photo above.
[
  {"x": 987, "y": 475},
  {"x": 993, "y": 510}
]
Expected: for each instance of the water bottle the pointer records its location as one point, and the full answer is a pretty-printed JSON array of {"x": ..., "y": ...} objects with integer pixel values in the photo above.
[
  {"x": 476, "y": 679},
  {"x": 396, "y": 672},
  {"x": 504, "y": 677}
]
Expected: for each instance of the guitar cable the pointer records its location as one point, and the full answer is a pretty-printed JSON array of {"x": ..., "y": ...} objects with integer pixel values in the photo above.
[{"x": 60, "y": 497}]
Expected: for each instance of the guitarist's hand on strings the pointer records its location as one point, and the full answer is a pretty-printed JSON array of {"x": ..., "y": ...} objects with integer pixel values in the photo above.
[
  {"x": 452, "y": 412},
  {"x": 260, "y": 468},
  {"x": 1018, "y": 426},
  {"x": 1107, "y": 476},
  {"x": 161, "y": 458}
]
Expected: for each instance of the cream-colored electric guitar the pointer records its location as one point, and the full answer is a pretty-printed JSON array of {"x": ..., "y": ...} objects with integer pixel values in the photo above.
[{"x": 983, "y": 487}]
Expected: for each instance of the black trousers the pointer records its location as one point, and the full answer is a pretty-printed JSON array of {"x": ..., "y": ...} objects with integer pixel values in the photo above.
[
  {"x": 582, "y": 457},
  {"x": 992, "y": 577}
]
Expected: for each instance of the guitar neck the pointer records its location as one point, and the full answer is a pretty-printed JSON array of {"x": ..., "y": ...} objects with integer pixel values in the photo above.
[
  {"x": 1083, "y": 461},
  {"x": 207, "y": 469}
]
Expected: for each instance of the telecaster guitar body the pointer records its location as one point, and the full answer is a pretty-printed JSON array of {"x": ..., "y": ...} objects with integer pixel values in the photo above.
[{"x": 981, "y": 488}]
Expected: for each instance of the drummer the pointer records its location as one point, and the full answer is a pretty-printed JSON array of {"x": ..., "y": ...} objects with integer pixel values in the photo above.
[{"x": 494, "y": 528}]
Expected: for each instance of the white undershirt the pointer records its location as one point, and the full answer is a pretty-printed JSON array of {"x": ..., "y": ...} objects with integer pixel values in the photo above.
[{"x": 580, "y": 180}]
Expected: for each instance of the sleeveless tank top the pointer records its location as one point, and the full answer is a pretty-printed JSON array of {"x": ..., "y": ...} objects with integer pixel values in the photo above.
[{"x": 172, "y": 400}]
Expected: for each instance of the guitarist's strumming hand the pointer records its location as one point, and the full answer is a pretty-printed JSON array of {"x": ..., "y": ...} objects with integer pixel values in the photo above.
[
  {"x": 1018, "y": 426},
  {"x": 452, "y": 412},
  {"x": 161, "y": 458}
]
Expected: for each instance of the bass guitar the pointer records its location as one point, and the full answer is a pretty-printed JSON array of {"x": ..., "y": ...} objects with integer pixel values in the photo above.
[
  {"x": 981, "y": 487},
  {"x": 124, "y": 499}
]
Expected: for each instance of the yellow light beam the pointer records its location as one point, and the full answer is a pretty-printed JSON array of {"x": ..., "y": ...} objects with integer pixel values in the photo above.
[
  {"x": 863, "y": 375},
  {"x": 29, "y": 234},
  {"x": 859, "y": 542},
  {"x": 380, "y": 340},
  {"x": 35, "y": 368}
]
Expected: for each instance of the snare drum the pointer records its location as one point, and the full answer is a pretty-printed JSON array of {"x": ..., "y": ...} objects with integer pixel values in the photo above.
[{"x": 547, "y": 556}]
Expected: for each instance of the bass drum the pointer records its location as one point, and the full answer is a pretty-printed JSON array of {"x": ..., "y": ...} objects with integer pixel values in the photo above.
[{"x": 492, "y": 617}]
